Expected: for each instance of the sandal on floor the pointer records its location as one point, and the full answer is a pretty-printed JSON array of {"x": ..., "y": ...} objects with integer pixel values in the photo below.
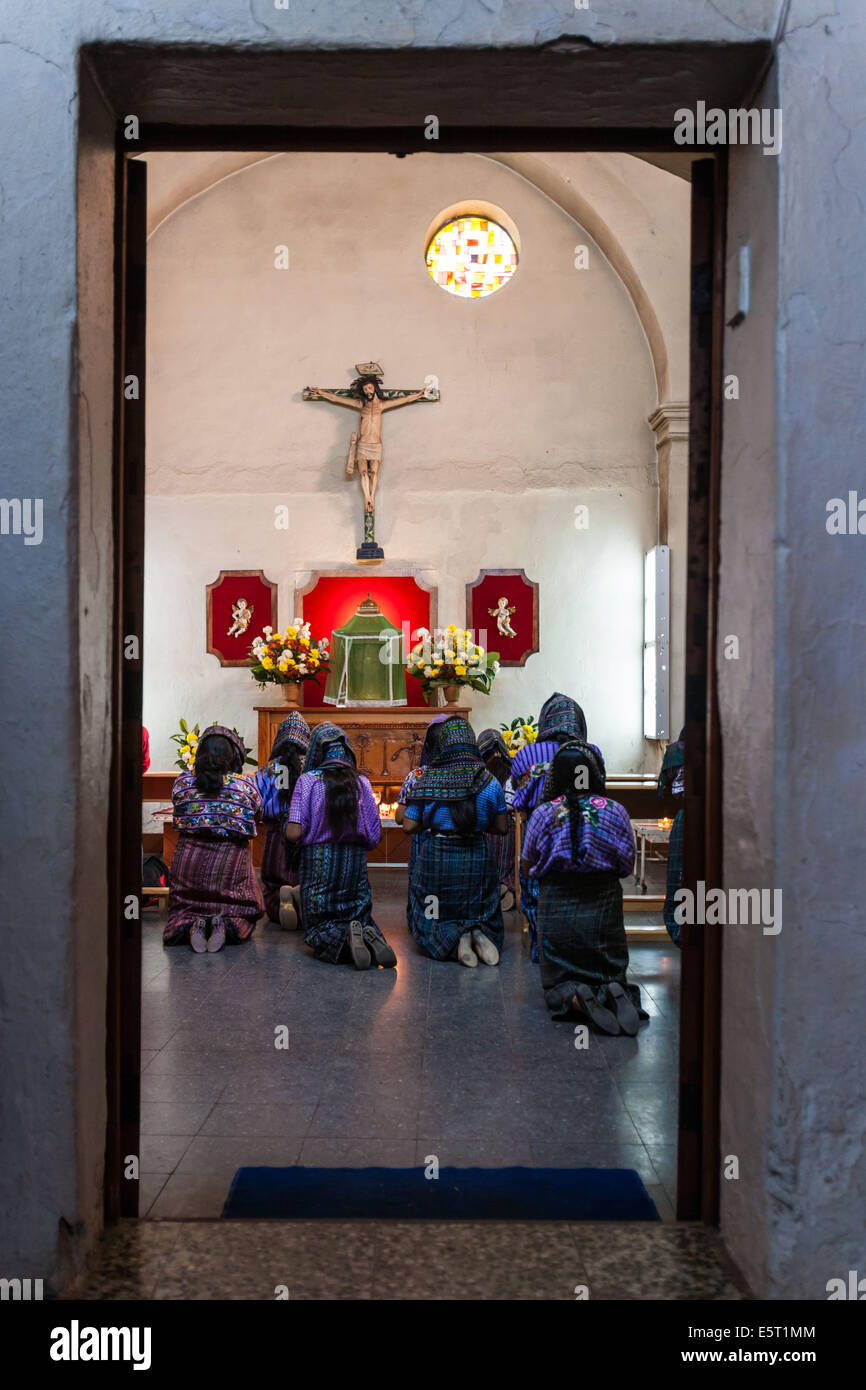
[
  {"x": 217, "y": 938},
  {"x": 198, "y": 936},
  {"x": 288, "y": 911},
  {"x": 378, "y": 947},
  {"x": 598, "y": 1015},
  {"x": 626, "y": 1014},
  {"x": 465, "y": 953},
  {"x": 484, "y": 948},
  {"x": 357, "y": 949}
]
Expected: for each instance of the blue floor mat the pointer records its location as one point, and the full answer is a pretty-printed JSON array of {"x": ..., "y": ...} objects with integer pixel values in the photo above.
[{"x": 458, "y": 1194}]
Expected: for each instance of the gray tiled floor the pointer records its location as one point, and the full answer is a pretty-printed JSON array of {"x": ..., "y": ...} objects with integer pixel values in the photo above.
[
  {"x": 386, "y": 1067},
  {"x": 387, "y": 1260}
]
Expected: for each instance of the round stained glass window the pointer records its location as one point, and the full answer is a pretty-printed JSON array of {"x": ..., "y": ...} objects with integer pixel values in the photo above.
[{"x": 471, "y": 257}]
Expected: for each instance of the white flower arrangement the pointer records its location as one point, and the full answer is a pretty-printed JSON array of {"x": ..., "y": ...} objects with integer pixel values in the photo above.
[
  {"x": 289, "y": 656},
  {"x": 450, "y": 657}
]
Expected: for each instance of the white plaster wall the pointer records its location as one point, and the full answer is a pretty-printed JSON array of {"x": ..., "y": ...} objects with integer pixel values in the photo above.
[
  {"x": 591, "y": 640},
  {"x": 546, "y": 388},
  {"x": 530, "y": 398}
]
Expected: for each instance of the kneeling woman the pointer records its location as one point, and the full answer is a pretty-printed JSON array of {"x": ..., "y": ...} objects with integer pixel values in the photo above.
[
  {"x": 453, "y": 888},
  {"x": 578, "y": 846},
  {"x": 213, "y": 894},
  {"x": 560, "y": 720},
  {"x": 335, "y": 820},
  {"x": 276, "y": 782},
  {"x": 491, "y": 746}
]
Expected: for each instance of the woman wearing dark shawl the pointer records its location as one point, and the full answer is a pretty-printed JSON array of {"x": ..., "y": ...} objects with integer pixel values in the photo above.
[
  {"x": 276, "y": 782},
  {"x": 453, "y": 891},
  {"x": 672, "y": 782},
  {"x": 335, "y": 820},
  {"x": 494, "y": 752},
  {"x": 561, "y": 718},
  {"x": 213, "y": 894},
  {"x": 578, "y": 846},
  {"x": 428, "y": 753}
]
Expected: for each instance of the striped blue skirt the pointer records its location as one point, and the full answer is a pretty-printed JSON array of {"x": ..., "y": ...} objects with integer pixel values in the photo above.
[
  {"x": 453, "y": 889},
  {"x": 335, "y": 890}
]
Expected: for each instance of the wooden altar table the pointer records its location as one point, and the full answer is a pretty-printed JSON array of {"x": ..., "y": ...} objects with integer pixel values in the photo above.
[{"x": 387, "y": 741}]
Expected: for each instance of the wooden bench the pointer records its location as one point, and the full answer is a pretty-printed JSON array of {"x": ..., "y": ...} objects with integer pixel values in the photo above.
[{"x": 159, "y": 892}]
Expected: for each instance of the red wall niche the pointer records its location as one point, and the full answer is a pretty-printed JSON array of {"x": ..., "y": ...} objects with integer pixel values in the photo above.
[
  {"x": 331, "y": 599},
  {"x": 227, "y": 588},
  {"x": 522, "y": 594}
]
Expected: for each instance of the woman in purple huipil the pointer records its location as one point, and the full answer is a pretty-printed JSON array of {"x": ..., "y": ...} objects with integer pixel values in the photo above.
[
  {"x": 559, "y": 720},
  {"x": 578, "y": 846},
  {"x": 335, "y": 820}
]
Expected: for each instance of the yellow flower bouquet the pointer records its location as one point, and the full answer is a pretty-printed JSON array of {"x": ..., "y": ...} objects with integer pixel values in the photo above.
[
  {"x": 188, "y": 740},
  {"x": 282, "y": 658},
  {"x": 519, "y": 733},
  {"x": 449, "y": 656}
]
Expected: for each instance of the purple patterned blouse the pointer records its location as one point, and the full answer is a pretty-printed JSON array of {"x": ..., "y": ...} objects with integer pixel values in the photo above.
[
  {"x": 308, "y": 811},
  {"x": 607, "y": 842},
  {"x": 529, "y": 768},
  {"x": 407, "y": 785},
  {"x": 232, "y": 812}
]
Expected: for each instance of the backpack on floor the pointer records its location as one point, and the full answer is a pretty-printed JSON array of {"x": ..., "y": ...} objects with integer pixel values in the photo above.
[{"x": 154, "y": 874}]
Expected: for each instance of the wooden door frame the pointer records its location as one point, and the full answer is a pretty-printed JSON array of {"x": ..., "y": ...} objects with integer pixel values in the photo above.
[
  {"x": 700, "y": 1022},
  {"x": 698, "y": 1130},
  {"x": 123, "y": 1004}
]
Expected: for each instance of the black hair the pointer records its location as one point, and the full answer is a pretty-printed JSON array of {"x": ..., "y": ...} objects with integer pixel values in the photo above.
[
  {"x": 566, "y": 764},
  {"x": 342, "y": 793},
  {"x": 216, "y": 755},
  {"x": 430, "y": 747},
  {"x": 498, "y": 764},
  {"x": 463, "y": 815},
  {"x": 292, "y": 760},
  {"x": 361, "y": 381}
]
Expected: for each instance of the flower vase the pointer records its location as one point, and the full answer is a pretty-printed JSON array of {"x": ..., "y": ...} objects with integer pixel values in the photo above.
[
  {"x": 451, "y": 693},
  {"x": 291, "y": 693}
]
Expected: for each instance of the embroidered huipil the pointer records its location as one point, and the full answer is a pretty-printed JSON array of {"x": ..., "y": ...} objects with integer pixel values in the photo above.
[
  {"x": 233, "y": 812},
  {"x": 529, "y": 768},
  {"x": 308, "y": 811},
  {"x": 407, "y": 785},
  {"x": 607, "y": 840},
  {"x": 489, "y": 803}
]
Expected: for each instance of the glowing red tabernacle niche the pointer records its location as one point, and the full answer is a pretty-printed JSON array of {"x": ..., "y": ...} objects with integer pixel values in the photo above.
[{"x": 334, "y": 598}]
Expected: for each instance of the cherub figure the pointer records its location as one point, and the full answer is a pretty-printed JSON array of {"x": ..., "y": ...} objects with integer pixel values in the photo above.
[
  {"x": 502, "y": 613},
  {"x": 242, "y": 612}
]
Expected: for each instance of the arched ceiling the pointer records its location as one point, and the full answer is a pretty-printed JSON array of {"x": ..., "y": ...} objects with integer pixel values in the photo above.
[{"x": 617, "y": 199}]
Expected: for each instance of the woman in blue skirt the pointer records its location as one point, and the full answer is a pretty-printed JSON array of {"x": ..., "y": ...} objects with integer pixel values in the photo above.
[
  {"x": 335, "y": 820},
  {"x": 454, "y": 910}
]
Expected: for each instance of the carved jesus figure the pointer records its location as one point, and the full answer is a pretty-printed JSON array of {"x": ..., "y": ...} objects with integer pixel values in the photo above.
[{"x": 366, "y": 396}]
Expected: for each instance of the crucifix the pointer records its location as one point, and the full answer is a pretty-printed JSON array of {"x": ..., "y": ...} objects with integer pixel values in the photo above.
[{"x": 367, "y": 395}]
